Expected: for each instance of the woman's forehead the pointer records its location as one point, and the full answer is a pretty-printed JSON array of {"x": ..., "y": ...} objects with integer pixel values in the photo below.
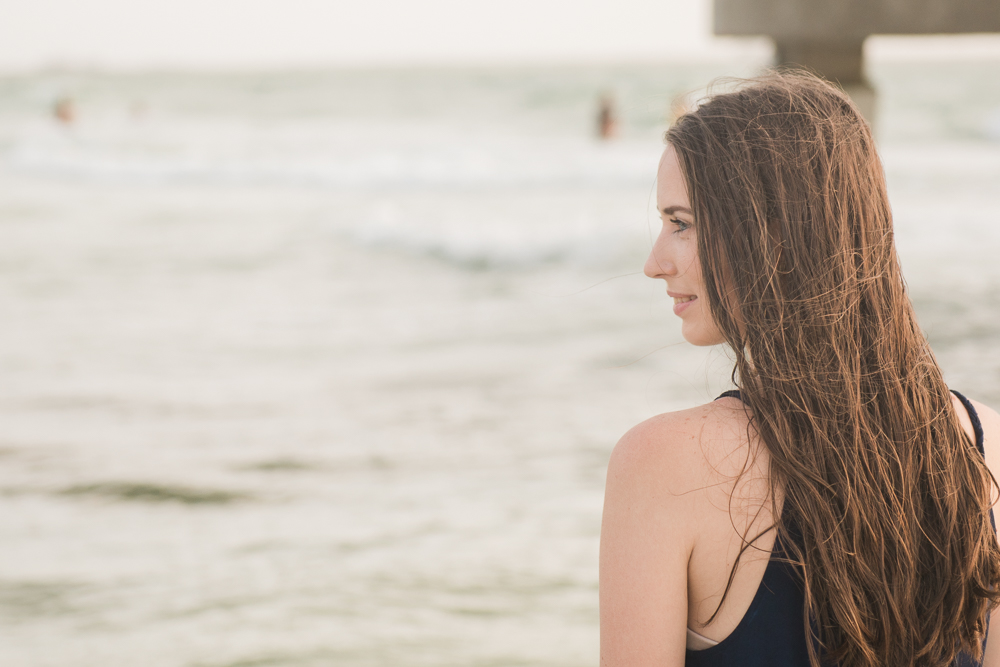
[{"x": 671, "y": 189}]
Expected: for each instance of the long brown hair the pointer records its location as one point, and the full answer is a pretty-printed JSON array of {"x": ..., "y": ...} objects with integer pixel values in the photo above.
[{"x": 888, "y": 497}]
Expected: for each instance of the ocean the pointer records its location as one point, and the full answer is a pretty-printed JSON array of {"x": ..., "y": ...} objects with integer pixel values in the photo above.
[{"x": 325, "y": 367}]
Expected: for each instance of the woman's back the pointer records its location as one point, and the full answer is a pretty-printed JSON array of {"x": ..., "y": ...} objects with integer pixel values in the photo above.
[
  {"x": 698, "y": 476},
  {"x": 846, "y": 445}
]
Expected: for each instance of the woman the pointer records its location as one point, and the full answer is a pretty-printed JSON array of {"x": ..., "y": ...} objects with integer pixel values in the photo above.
[{"x": 836, "y": 509}]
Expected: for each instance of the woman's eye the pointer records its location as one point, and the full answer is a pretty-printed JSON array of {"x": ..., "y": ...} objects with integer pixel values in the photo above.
[{"x": 680, "y": 224}]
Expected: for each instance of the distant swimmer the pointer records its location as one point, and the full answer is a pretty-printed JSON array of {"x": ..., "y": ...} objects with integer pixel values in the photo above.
[
  {"x": 64, "y": 110},
  {"x": 607, "y": 123}
]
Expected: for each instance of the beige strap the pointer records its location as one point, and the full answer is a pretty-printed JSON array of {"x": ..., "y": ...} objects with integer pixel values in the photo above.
[{"x": 696, "y": 642}]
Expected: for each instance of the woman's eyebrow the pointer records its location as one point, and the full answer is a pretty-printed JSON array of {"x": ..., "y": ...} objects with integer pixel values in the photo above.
[{"x": 670, "y": 210}]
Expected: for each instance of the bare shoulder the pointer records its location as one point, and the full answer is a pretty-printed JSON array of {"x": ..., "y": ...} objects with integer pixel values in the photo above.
[
  {"x": 989, "y": 419},
  {"x": 655, "y": 504},
  {"x": 679, "y": 451}
]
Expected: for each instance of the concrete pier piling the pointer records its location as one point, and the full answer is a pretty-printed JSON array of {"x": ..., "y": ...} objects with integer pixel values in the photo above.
[{"x": 827, "y": 36}]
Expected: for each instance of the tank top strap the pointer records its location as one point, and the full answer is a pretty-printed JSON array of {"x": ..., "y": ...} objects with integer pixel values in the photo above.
[{"x": 977, "y": 426}]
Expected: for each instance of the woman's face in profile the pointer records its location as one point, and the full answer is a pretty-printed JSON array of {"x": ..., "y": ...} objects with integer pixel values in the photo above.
[{"x": 674, "y": 257}]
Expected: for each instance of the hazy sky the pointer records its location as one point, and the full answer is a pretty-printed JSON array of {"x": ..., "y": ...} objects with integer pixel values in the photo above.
[
  {"x": 134, "y": 34},
  {"x": 212, "y": 33}
]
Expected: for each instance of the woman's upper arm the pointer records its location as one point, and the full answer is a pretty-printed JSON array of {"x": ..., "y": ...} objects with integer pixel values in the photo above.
[
  {"x": 991, "y": 656},
  {"x": 646, "y": 539},
  {"x": 991, "y": 432},
  {"x": 991, "y": 443}
]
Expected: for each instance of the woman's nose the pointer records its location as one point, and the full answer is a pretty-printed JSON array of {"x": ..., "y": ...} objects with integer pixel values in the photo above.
[{"x": 657, "y": 264}]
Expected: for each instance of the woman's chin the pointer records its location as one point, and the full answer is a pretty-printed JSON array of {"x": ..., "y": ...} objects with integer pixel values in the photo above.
[{"x": 700, "y": 337}]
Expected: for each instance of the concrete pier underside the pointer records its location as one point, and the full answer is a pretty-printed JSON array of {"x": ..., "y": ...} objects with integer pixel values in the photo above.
[{"x": 827, "y": 36}]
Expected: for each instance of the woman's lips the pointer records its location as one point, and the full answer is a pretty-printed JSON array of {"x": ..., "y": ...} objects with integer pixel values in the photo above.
[{"x": 682, "y": 302}]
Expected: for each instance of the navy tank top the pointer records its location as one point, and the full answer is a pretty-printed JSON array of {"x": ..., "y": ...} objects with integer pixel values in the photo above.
[{"x": 771, "y": 633}]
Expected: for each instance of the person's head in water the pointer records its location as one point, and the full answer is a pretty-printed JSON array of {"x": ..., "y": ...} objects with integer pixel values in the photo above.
[
  {"x": 787, "y": 244},
  {"x": 64, "y": 110},
  {"x": 607, "y": 122}
]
